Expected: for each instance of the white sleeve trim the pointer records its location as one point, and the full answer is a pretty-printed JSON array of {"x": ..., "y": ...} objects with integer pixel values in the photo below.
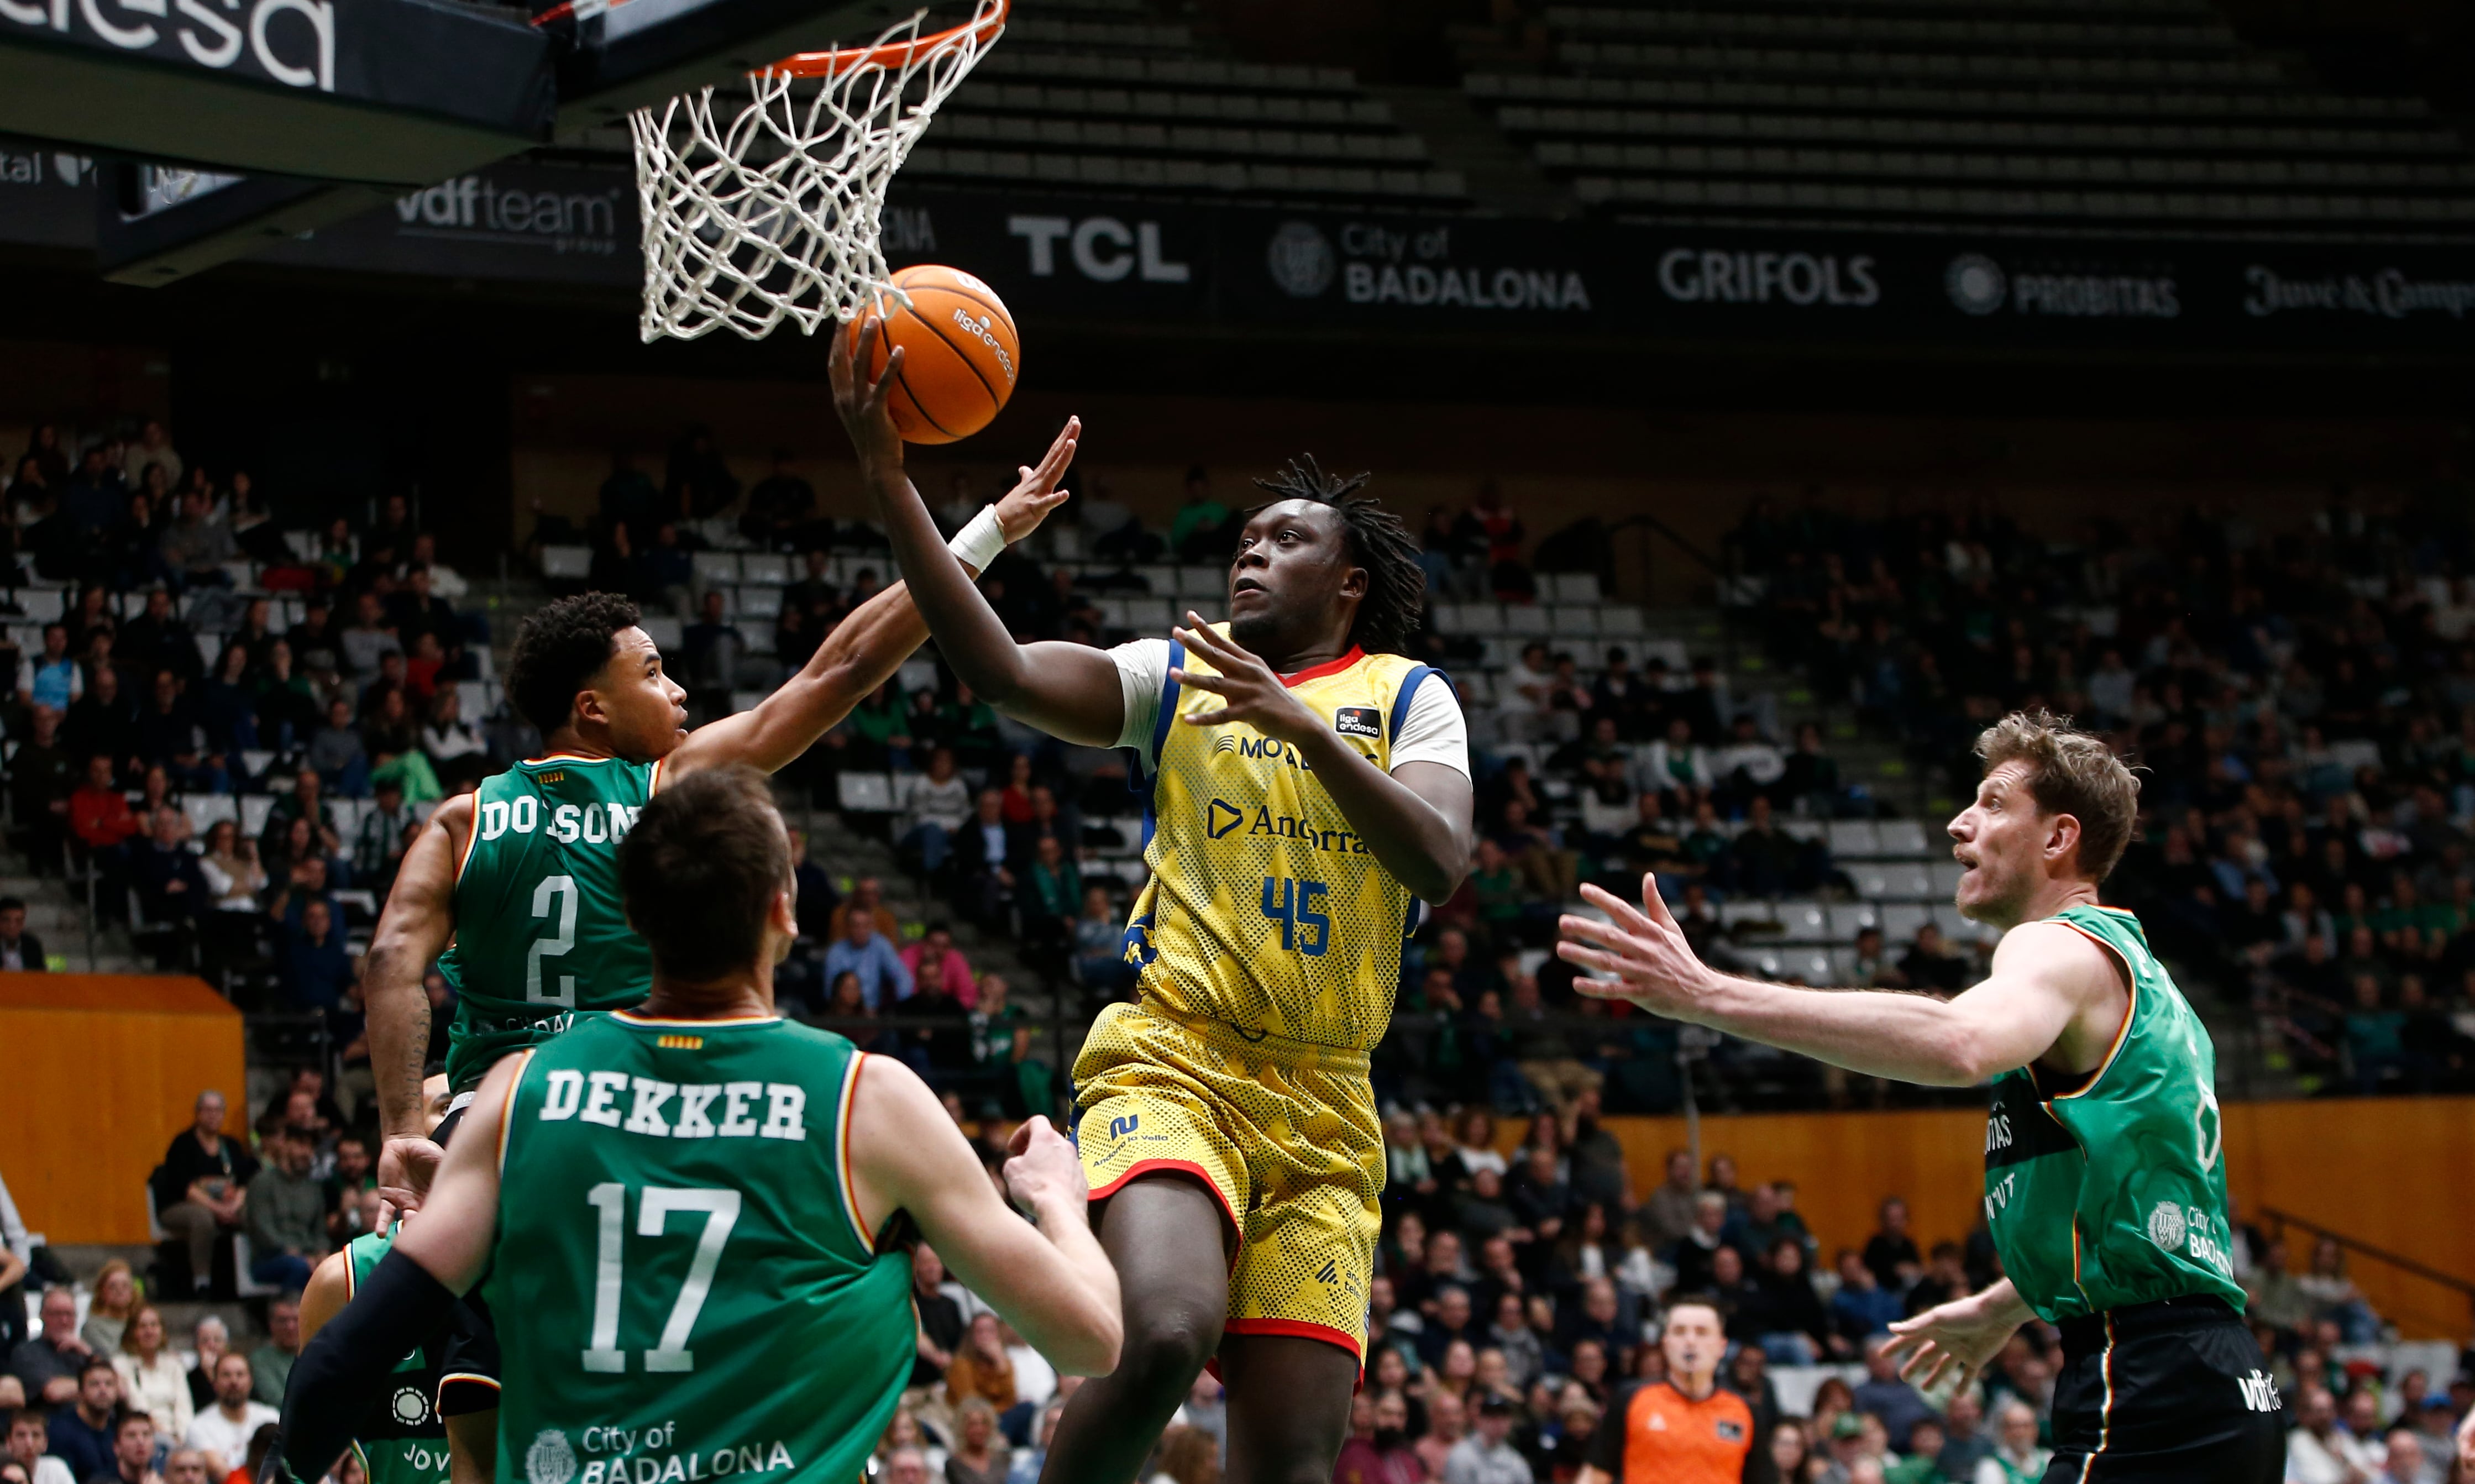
[
  {"x": 1434, "y": 731},
  {"x": 1142, "y": 669}
]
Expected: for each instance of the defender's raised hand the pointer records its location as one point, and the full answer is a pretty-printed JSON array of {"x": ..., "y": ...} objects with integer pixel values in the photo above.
[
  {"x": 860, "y": 403},
  {"x": 1036, "y": 493},
  {"x": 1644, "y": 950},
  {"x": 1248, "y": 689}
]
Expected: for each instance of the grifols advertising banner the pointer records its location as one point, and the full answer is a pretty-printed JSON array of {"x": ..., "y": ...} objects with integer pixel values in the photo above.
[{"x": 1338, "y": 271}]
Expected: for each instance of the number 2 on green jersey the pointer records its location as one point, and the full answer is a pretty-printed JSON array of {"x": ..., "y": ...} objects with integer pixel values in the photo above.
[
  {"x": 609, "y": 1199},
  {"x": 563, "y": 888}
]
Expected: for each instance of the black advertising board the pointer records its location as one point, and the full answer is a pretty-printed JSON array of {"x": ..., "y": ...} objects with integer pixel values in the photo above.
[{"x": 1245, "y": 269}]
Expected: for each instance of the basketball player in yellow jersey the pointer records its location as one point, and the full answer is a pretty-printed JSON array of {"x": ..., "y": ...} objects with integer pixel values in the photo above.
[{"x": 1309, "y": 789}]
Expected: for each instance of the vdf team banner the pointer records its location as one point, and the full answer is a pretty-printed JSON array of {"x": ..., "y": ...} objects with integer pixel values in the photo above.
[{"x": 1343, "y": 271}]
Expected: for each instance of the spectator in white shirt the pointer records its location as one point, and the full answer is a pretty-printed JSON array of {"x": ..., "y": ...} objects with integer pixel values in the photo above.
[
  {"x": 2015, "y": 1453},
  {"x": 1486, "y": 1456},
  {"x": 2110, "y": 686},
  {"x": 153, "y": 448},
  {"x": 1759, "y": 760},
  {"x": 1520, "y": 698},
  {"x": 222, "y": 1432},
  {"x": 2314, "y": 1450},
  {"x": 456, "y": 746},
  {"x": 1677, "y": 761},
  {"x": 2359, "y": 1442},
  {"x": 444, "y": 580},
  {"x": 941, "y": 801},
  {"x": 151, "y": 1376},
  {"x": 2405, "y": 1462},
  {"x": 28, "y": 1437}
]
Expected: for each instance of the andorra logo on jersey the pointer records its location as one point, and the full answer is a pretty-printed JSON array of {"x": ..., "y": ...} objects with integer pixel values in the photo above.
[
  {"x": 550, "y": 1460},
  {"x": 1221, "y": 817},
  {"x": 2166, "y": 1225}
]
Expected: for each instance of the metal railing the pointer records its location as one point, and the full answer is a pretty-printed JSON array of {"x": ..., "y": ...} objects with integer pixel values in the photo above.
[{"x": 2279, "y": 1220}]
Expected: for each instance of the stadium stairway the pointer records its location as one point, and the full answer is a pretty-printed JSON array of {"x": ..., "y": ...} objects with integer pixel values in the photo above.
[
  {"x": 1502, "y": 178},
  {"x": 55, "y": 912}
]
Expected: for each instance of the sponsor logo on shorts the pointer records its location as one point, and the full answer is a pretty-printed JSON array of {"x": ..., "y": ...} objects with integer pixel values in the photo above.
[
  {"x": 2166, "y": 1225},
  {"x": 409, "y": 1406},
  {"x": 1119, "y": 1128},
  {"x": 1331, "y": 1274},
  {"x": 1357, "y": 722},
  {"x": 2260, "y": 1392}
]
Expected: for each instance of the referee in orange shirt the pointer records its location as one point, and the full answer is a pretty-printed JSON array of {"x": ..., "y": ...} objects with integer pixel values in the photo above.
[{"x": 1684, "y": 1430}]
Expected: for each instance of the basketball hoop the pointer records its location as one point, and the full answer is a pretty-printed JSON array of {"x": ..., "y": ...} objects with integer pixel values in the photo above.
[{"x": 764, "y": 206}]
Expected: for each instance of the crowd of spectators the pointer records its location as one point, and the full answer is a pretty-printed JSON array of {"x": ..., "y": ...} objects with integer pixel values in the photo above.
[
  {"x": 171, "y": 674},
  {"x": 2305, "y": 705},
  {"x": 103, "y": 1391},
  {"x": 1519, "y": 1289},
  {"x": 2302, "y": 702}
]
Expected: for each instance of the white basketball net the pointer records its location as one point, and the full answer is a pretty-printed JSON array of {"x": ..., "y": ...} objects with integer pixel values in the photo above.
[{"x": 763, "y": 206}]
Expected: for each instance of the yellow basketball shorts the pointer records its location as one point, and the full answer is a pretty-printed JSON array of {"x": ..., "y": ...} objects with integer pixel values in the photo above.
[{"x": 1283, "y": 1132}]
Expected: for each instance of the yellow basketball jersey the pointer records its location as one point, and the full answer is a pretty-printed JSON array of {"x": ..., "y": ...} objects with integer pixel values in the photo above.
[{"x": 1265, "y": 910}]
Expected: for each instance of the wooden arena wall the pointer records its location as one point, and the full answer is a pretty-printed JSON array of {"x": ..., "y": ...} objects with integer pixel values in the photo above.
[
  {"x": 2378, "y": 1170},
  {"x": 97, "y": 1073}
]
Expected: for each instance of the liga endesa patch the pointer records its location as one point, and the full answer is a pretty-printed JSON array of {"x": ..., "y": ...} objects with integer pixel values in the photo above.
[{"x": 1359, "y": 721}]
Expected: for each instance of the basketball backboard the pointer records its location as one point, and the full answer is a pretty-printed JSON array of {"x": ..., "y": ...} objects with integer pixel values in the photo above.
[{"x": 333, "y": 97}]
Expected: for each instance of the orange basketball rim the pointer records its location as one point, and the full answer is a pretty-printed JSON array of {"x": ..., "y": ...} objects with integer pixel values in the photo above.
[{"x": 893, "y": 56}]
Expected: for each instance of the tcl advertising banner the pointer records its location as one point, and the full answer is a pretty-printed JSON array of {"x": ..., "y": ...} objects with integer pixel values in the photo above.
[{"x": 1338, "y": 271}]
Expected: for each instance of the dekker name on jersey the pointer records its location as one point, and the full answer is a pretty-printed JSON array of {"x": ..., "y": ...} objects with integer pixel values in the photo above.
[{"x": 676, "y": 1110}]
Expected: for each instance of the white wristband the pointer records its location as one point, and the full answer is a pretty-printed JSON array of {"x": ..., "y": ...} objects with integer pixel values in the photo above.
[{"x": 978, "y": 543}]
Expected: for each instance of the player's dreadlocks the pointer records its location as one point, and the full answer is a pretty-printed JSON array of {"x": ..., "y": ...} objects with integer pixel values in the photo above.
[
  {"x": 1379, "y": 541},
  {"x": 559, "y": 651}
]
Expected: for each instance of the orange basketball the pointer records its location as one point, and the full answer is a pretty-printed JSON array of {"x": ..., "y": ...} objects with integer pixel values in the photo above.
[{"x": 960, "y": 353}]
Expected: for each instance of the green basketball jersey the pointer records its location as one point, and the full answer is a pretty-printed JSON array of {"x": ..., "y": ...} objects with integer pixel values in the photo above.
[
  {"x": 402, "y": 1440},
  {"x": 682, "y": 1287},
  {"x": 541, "y": 934},
  {"x": 2112, "y": 1193}
]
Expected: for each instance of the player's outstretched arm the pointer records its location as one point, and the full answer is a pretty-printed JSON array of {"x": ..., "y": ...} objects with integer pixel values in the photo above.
[
  {"x": 412, "y": 931},
  {"x": 1067, "y": 691},
  {"x": 450, "y": 1238},
  {"x": 410, "y": 1296},
  {"x": 2047, "y": 976},
  {"x": 1417, "y": 821},
  {"x": 330, "y": 1289},
  {"x": 862, "y": 652},
  {"x": 1047, "y": 1277}
]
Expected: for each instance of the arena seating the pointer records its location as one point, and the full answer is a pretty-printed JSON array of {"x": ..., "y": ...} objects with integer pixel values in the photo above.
[
  {"x": 2127, "y": 118},
  {"x": 1107, "y": 97}
]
